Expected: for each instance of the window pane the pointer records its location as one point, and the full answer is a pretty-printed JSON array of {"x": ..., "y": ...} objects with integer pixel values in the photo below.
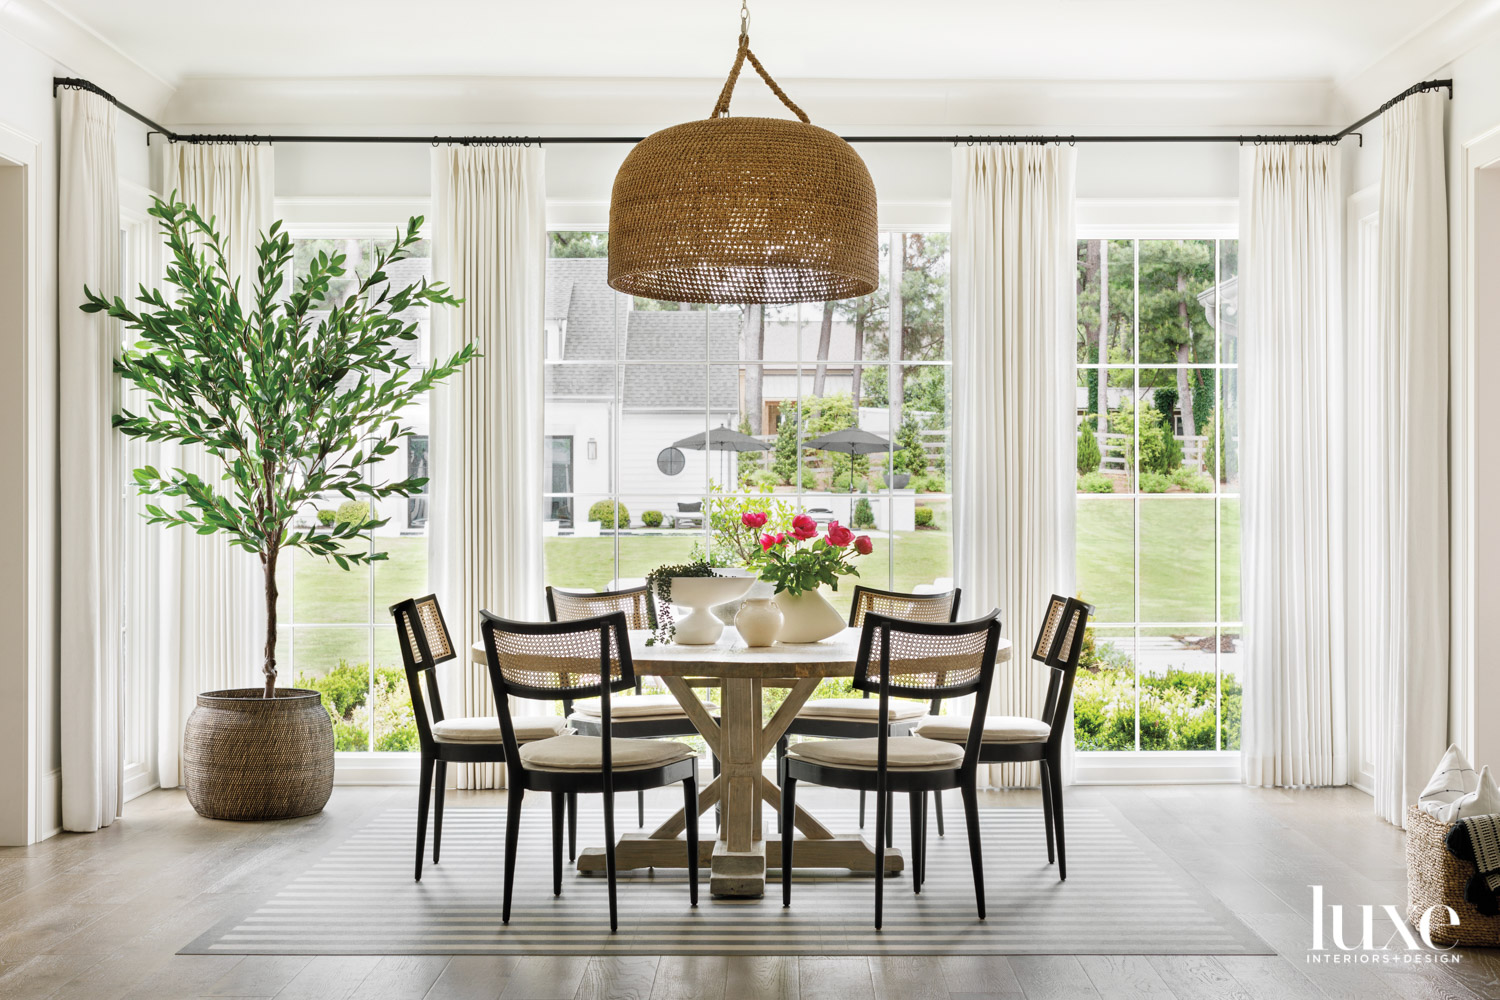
[
  {"x": 1104, "y": 693},
  {"x": 1175, "y": 402},
  {"x": 1177, "y": 560},
  {"x": 923, "y": 267},
  {"x": 579, "y": 562},
  {"x": 1179, "y": 689},
  {"x": 1229, "y": 560},
  {"x": 1226, "y": 441},
  {"x": 579, "y": 446},
  {"x": 1231, "y": 691},
  {"x": 1176, "y": 280},
  {"x": 1229, "y": 302},
  {"x": 1090, "y": 268},
  {"x": 923, "y": 545},
  {"x": 677, "y": 537},
  {"x": 394, "y": 722},
  {"x": 1106, "y": 557},
  {"x": 336, "y": 663},
  {"x": 322, "y": 593},
  {"x": 1120, "y": 289}
]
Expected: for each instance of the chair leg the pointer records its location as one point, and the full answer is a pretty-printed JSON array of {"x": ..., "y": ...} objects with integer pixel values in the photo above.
[
  {"x": 424, "y": 799},
  {"x": 609, "y": 860},
  {"x": 882, "y": 818},
  {"x": 937, "y": 807},
  {"x": 782, "y": 746},
  {"x": 559, "y": 806},
  {"x": 861, "y": 808},
  {"x": 976, "y": 858},
  {"x": 512, "y": 838},
  {"x": 440, "y": 779},
  {"x": 890, "y": 819},
  {"x": 1054, "y": 770},
  {"x": 788, "y": 835},
  {"x": 1047, "y": 811},
  {"x": 572, "y": 826},
  {"x": 917, "y": 805},
  {"x": 690, "y": 811},
  {"x": 640, "y": 807}
]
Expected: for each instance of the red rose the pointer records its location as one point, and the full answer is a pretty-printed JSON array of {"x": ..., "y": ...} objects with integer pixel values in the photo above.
[
  {"x": 804, "y": 527},
  {"x": 767, "y": 542},
  {"x": 752, "y": 519},
  {"x": 838, "y": 535},
  {"x": 863, "y": 545}
]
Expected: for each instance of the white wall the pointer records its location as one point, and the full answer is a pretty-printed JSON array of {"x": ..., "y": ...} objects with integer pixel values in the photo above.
[{"x": 27, "y": 106}]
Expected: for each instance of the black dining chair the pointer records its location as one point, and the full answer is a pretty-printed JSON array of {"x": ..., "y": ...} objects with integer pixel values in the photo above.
[
  {"x": 1012, "y": 739},
  {"x": 425, "y": 643},
  {"x": 912, "y": 660},
  {"x": 852, "y": 718},
  {"x": 642, "y": 716},
  {"x": 577, "y": 659}
]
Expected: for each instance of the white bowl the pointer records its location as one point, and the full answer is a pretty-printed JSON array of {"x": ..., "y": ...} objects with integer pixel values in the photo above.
[{"x": 698, "y": 594}]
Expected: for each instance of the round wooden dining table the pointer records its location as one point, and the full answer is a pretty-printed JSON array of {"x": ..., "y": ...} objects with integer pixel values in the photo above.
[{"x": 742, "y": 739}]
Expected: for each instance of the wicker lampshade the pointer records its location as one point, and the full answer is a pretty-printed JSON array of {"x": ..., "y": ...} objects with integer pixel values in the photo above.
[{"x": 743, "y": 210}]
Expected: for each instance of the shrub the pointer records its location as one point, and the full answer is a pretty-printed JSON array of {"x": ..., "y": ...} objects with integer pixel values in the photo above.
[
  {"x": 784, "y": 460},
  {"x": 1095, "y": 482},
  {"x": 610, "y": 514},
  {"x": 1088, "y": 447},
  {"x": 864, "y": 517},
  {"x": 1154, "y": 482},
  {"x": 355, "y": 512},
  {"x": 910, "y": 455},
  {"x": 1176, "y": 708},
  {"x": 327, "y": 518},
  {"x": 1165, "y": 400},
  {"x": 1151, "y": 432},
  {"x": 763, "y": 479},
  {"x": 652, "y": 519},
  {"x": 923, "y": 517},
  {"x": 1192, "y": 480}
]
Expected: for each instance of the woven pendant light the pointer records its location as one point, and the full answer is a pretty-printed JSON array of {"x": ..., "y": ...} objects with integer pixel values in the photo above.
[{"x": 743, "y": 210}]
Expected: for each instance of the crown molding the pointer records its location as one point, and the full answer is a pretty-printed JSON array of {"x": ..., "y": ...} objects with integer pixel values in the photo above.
[
  {"x": 83, "y": 52},
  {"x": 1419, "y": 56},
  {"x": 639, "y": 105}
]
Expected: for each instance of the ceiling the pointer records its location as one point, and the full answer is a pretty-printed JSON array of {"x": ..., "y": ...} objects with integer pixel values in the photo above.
[{"x": 858, "y": 39}]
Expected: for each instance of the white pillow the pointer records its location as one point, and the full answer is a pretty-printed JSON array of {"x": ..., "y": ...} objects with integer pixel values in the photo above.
[{"x": 1456, "y": 792}]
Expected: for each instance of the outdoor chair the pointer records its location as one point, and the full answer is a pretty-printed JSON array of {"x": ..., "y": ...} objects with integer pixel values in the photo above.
[
  {"x": 1016, "y": 739},
  {"x": 909, "y": 659},
  {"x": 848, "y": 718},
  {"x": 567, "y": 661},
  {"x": 425, "y": 643},
  {"x": 640, "y": 717}
]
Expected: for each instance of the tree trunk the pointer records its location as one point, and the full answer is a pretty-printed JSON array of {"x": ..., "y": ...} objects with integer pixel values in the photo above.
[
  {"x": 859, "y": 355},
  {"x": 1184, "y": 355},
  {"x": 755, "y": 352},
  {"x": 268, "y": 563},
  {"x": 825, "y": 343}
]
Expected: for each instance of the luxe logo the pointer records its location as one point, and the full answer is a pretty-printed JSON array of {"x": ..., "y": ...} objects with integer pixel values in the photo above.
[{"x": 1400, "y": 945}]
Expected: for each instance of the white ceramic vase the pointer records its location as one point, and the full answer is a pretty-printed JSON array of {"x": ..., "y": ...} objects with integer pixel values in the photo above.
[
  {"x": 697, "y": 595},
  {"x": 759, "y": 621},
  {"x": 807, "y": 617}
]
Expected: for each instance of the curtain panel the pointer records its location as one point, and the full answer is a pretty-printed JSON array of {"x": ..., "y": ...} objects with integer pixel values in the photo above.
[
  {"x": 1294, "y": 729},
  {"x": 489, "y": 246},
  {"x": 89, "y": 481},
  {"x": 212, "y": 601},
  {"x": 1407, "y": 537},
  {"x": 1013, "y": 317}
]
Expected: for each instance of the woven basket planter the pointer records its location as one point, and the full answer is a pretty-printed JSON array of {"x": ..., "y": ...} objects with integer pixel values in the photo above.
[
  {"x": 249, "y": 757},
  {"x": 1436, "y": 878}
]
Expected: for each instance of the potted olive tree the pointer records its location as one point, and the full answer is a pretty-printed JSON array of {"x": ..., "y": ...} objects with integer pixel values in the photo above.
[{"x": 295, "y": 397}]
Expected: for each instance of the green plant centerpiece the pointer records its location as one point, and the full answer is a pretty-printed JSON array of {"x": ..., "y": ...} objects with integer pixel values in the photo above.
[{"x": 296, "y": 398}]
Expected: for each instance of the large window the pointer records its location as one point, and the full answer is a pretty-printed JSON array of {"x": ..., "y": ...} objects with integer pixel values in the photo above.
[
  {"x": 336, "y": 634},
  {"x": 629, "y": 383},
  {"x": 1158, "y": 509}
]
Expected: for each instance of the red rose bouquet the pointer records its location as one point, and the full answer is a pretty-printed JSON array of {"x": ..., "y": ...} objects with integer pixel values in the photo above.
[{"x": 798, "y": 560}]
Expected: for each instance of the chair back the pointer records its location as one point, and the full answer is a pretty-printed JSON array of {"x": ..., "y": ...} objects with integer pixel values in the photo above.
[
  {"x": 567, "y": 606},
  {"x": 548, "y": 661},
  {"x": 1059, "y": 645},
  {"x": 929, "y": 660},
  {"x": 912, "y": 607},
  {"x": 425, "y": 642}
]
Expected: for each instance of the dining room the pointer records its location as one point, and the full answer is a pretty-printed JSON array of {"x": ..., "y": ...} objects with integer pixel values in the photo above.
[{"x": 748, "y": 499}]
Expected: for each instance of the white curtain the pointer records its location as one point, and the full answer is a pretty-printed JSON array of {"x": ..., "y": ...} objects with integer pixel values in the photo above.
[
  {"x": 489, "y": 246},
  {"x": 1012, "y": 313},
  {"x": 213, "y": 601},
  {"x": 1294, "y": 727},
  {"x": 89, "y": 482},
  {"x": 1409, "y": 542}
]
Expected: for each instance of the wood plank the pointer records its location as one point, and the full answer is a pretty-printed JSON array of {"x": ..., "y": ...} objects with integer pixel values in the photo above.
[
  {"x": 183, "y": 976},
  {"x": 835, "y": 979},
  {"x": 618, "y": 977},
  {"x": 472, "y": 977},
  {"x": 761, "y": 977},
  {"x": 334, "y": 977},
  {"x": 258, "y": 976},
  {"x": 1052, "y": 977},
  {"x": 1198, "y": 977},
  {"x": 805, "y": 821},
  {"x": 786, "y": 714},
  {"x": 908, "y": 977},
  {"x": 401, "y": 977},
  {"x": 841, "y": 850},
  {"x": 690, "y": 977},
  {"x": 545, "y": 977},
  {"x": 989, "y": 975},
  {"x": 1269, "y": 977},
  {"x": 1124, "y": 976},
  {"x": 706, "y": 725}
]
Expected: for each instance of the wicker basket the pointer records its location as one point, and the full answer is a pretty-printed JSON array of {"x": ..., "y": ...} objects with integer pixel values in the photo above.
[
  {"x": 249, "y": 757},
  {"x": 1436, "y": 878}
]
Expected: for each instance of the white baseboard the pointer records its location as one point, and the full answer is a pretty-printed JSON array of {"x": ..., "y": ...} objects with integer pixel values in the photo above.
[
  {"x": 49, "y": 804},
  {"x": 1156, "y": 767}
]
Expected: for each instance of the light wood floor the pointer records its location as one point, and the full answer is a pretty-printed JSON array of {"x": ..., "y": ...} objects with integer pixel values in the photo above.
[{"x": 100, "y": 916}]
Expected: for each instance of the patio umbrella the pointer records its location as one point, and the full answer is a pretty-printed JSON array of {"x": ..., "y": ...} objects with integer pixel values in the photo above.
[
  {"x": 722, "y": 439},
  {"x": 851, "y": 442}
]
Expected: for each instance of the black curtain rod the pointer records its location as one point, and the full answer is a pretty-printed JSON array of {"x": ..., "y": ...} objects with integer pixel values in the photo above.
[{"x": 499, "y": 140}]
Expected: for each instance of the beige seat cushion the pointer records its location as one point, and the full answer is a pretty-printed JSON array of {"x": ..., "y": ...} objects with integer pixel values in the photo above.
[
  {"x": 639, "y": 706},
  {"x": 997, "y": 729},
  {"x": 487, "y": 729},
  {"x": 904, "y": 753},
  {"x": 585, "y": 753},
  {"x": 860, "y": 709}
]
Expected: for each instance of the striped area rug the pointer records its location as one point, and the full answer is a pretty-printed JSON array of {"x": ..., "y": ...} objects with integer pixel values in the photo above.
[{"x": 1122, "y": 897}]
